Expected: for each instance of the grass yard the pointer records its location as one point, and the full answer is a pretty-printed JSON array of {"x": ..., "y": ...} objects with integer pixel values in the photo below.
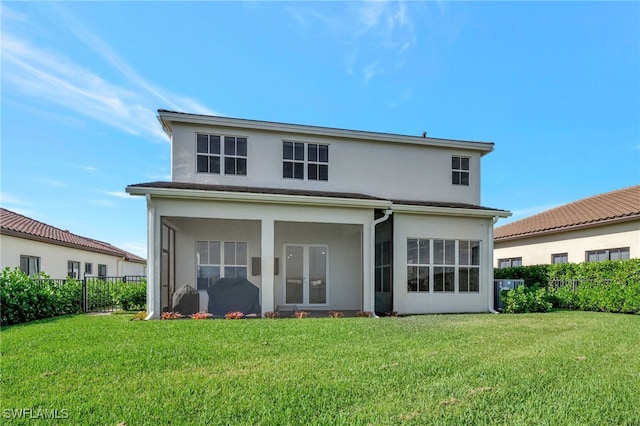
[{"x": 560, "y": 368}]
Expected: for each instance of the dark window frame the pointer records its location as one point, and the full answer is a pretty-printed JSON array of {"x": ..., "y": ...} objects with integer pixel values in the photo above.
[
  {"x": 305, "y": 161},
  {"x": 460, "y": 170},
  {"x": 221, "y": 154}
]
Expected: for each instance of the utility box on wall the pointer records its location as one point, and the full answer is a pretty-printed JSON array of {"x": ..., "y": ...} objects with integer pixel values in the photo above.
[{"x": 499, "y": 286}]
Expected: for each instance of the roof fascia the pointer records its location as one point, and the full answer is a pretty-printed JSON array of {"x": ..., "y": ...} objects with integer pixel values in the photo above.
[
  {"x": 168, "y": 117},
  {"x": 31, "y": 237},
  {"x": 450, "y": 211},
  {"x": 259, "y": 198},
  {"x": 569, "y": 228}
]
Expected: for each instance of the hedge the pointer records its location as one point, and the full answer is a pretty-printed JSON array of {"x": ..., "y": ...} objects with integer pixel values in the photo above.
[
  {"x": 24, "y": 298},
  {"x": 610, "y": 286}
]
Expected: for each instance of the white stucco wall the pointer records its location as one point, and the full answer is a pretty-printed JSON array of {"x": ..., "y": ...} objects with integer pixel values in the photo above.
[
  {"x": 54, "y": 258},
  {"x": 395, "y": 171},
  {"x": 449, "y": 228},
  {"x": 538, "y": 250}
]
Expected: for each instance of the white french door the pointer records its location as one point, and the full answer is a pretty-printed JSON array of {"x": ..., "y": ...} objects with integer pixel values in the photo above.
[{"x": 305, "y": 278}]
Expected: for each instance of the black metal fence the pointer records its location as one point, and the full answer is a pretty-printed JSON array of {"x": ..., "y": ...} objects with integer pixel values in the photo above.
[
  {"x": 95, "y": 294},
  {"x": 573, "y": 284}
]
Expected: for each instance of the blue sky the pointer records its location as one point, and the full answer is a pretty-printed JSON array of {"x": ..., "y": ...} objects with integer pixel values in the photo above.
[{"x": 556, "y": 86}]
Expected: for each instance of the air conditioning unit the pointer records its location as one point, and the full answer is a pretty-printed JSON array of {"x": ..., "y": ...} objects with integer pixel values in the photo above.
[{"x": 499, "y": 286}]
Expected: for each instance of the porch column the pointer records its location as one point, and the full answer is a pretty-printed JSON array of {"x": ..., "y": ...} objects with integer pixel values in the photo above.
[
  {"x": 267, "y": 242},
  {"x": 368, "y": 273},
  {"x": 153, "y": 259}
]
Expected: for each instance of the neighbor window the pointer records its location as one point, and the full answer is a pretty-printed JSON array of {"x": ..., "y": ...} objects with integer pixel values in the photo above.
[
  {"x": 102, "y": 270},
  {"x": 560, "y": 258},
  {"x": 443, "y": 266},
  {"x": 460, "y": 170},
  {"x": 218, "y": 259},
  {"x": 73, "y": 269},
  {"x": 621, "y": 253},
  {"x": 509, "y": 262},
  {"x": 88, "y": 268},
  {"x": 30, "y": 265},
  {"x": 305, "y": 160},
  {"x": 215, "y": 153}
]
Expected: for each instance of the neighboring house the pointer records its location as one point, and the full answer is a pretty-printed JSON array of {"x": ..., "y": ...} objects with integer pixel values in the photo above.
[
  {"x": 320, "y": 218},
  {"x": 37, "y": 247},
  {"x": 602, "y": 227}
]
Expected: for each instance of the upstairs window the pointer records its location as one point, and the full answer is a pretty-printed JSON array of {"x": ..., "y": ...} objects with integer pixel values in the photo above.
[
  {"x": 305, "y": 161},
  {"x": 215, "y": 153},
  {"x": 460, "y": 170}
]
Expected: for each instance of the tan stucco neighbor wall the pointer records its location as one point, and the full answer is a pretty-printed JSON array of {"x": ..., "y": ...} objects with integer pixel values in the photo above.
[{"x": 538, "y": 250}]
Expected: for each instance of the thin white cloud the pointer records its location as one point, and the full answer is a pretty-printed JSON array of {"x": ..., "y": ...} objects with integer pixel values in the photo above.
[
  {"x": 118, "y": 194},
  {"x": 136, "y": 247},
  {"x": 375, "y": 33},
  {"x": 6, "y": 198},
  {"x": 53, "y": 182},
  {"x": 44, "y": 74},
  {"x": 102, "y": 203},
  {"x": 371, "y": 70},
  {"x": 88, "y": 168}
]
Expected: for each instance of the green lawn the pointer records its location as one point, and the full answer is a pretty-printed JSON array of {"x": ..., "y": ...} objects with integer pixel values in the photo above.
[{"x": 560, "y": 368}]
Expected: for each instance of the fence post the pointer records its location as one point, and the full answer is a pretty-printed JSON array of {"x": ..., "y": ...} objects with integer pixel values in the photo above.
[{"x": 85, "y": 297}]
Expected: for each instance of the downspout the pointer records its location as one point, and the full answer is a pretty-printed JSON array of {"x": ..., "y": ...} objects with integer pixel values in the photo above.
[
  {"x": 372, "y": 257},
  {"x": 490, "y": 250}
]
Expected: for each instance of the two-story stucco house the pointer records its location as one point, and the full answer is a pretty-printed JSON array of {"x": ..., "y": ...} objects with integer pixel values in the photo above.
[{"x": 320, "y": 218}]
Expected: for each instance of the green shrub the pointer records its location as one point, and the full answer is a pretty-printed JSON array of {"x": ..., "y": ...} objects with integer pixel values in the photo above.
[
  {"x": 611, "y": 286},
  {"x": 133, "y": 296},
  {"x": 532, "y": 275},
  {"x": 525, "y": 299},
  {"x": 24, "y": 298}
]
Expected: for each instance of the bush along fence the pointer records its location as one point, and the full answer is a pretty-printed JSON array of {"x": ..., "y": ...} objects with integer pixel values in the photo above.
[
  {"x": 24, "y": 298},
  {"x": 612, "y": 286}
]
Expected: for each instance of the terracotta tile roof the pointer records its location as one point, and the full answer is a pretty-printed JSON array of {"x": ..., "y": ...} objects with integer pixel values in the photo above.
[
  {"x": 610, "y": 207},
  {"x": 15, "y": 224},
  {"x": 297, "y": 192}
]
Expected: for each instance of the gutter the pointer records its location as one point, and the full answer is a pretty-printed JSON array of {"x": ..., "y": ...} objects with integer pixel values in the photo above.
[
  {"x": 259, "y": 198},
  {"x": 372, "y": 257}
]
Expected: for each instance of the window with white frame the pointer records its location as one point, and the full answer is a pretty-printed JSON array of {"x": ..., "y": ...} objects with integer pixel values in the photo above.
[
  {"x": 560, "y": 258},
  {"x": 418, "y": 265},
  {"x": 305, "y": 161},
  {"x": 509, "y": 262},
  {"x": 218, "y": 259},
  {"x": 439, "y": 266},
  {"x": 469, "y": 266},
  {"x": 460, "y": 170},
  {"x": 88, "y": 268},
  {"x": 218, "y": 154},
  {"x": 620, "y": 253},
  {"x": 30, "y": 265}
]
